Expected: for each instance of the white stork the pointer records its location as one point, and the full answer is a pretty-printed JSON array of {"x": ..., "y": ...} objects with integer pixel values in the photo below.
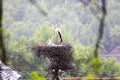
[{"x": 58, "y": 34}]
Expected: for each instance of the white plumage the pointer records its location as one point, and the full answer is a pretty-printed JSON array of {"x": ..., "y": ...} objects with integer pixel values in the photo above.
[
  {"x": 50, "y": 43},
  {"x": 58, "y": 34}
]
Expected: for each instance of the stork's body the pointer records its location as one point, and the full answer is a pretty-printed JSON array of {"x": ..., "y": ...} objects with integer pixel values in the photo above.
[{"x": 58, "y": 35}]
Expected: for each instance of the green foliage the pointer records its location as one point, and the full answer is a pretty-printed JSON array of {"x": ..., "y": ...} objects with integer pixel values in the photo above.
[
  {"x": 82, "y": 53},
  {"x": 34, "y": 76},
  {"x": 88, "y": 65},
  {"x": 67, "y": 37},
  {"x": 83, "y": 56},
  {"x": 25, "y": 26},
  {"x": 19, "y": 48},
  {"x": 45, "y": 33},
  {"x": 111, "y": 68}
]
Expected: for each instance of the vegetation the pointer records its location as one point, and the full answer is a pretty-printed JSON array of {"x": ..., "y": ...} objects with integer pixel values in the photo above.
[
  {"x": 25, "y": 25},
  {"x": 35, "y": 76},
  {"x": 85, "y": 64}
]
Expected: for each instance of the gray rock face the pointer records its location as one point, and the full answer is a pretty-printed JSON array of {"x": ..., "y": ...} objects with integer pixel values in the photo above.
[{"x": 6, "y": 73}]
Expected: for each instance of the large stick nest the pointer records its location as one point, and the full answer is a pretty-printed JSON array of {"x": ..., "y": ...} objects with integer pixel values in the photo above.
[{"x": 60, "y": 56}]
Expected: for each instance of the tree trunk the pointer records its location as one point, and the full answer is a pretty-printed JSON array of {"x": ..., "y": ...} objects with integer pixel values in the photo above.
[
  {"x": 101, "y": 28},
  {"x": 2, "y": 45}
]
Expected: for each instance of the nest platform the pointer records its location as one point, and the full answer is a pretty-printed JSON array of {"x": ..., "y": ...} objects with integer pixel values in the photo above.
[{"x": 60, "y": 56}]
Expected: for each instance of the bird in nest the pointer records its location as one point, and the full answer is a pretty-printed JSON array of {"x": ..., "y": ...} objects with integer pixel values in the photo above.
[{"x": 58, "y": 35}]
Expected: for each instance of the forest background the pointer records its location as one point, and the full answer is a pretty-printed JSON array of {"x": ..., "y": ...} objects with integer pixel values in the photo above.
[{"x": 27, "y": 23}]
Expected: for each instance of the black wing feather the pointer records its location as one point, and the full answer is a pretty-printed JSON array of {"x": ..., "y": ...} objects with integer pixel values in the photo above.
[{"x": 60, "y": 35}]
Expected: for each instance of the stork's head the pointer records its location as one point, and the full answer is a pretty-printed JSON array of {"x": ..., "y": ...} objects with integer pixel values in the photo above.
[{"x": 56, "y": 26}]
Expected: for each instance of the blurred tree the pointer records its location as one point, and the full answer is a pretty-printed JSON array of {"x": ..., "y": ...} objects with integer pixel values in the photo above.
[
  {"x": 84, "y": 61},
  {"x": 25, "y": 25},
  {"x": 46, "y": 33},
  {"x": 110, "y": 68},
  {"x": 2, "y": 45},
  {"x": 1, "y": 37},
  {"x": 83, "y": 57},
  {"x": 38, "y": 7}
]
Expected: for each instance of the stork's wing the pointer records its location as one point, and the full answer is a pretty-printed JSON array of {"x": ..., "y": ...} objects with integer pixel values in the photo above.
[{"x": 60, "y": 35}]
